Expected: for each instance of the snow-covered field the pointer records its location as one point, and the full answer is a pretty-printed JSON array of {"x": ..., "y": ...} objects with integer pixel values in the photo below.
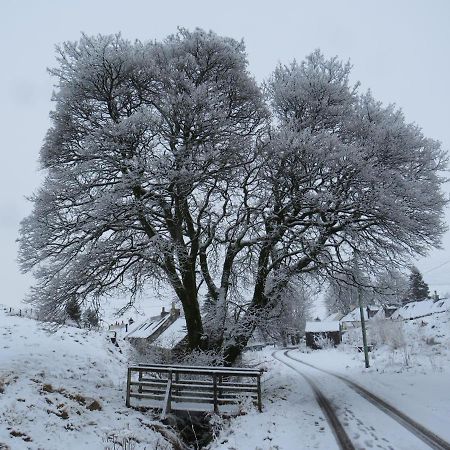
[{"x": 65, "y": 390}]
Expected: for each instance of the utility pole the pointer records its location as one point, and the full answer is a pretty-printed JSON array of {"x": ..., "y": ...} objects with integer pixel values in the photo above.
[
  {"x": 363, "y": 328},
  {"x": 358, "y": 280}
]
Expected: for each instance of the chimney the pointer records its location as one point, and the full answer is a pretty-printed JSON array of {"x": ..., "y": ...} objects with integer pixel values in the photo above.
[
  {"x": 436, "y": 296},
  {"x": 163, "y": 312},
  {"x": 175, "y": 312}
]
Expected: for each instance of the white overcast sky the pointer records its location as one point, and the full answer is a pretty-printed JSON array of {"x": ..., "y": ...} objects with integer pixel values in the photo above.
[{"x": 399, "y": 49}]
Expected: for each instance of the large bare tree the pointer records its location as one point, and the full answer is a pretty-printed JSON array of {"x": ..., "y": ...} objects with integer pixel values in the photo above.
[{"x": 167, "y": 162}]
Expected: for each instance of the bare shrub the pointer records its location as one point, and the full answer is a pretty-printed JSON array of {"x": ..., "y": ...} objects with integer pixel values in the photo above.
[
  {"x": 216, "y": 424},
  {"x": 200, "y": 358},
  {"x": 116, "y": 442},
  {"x": 387, "y": 332},
  {"x": 435, "y": 363},
  {"x": 323, "y": 342},
  {"x": 144, "y": 353},
  {"x": 391, "y": 333},
  {"x": 406, "y": 355},
  {"x": 431, "y": 341},
  {"x": 245, "y": 404}
]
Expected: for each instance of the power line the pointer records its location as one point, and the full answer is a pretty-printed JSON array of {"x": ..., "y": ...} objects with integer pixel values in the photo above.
[{"x": 437, "y": 267}]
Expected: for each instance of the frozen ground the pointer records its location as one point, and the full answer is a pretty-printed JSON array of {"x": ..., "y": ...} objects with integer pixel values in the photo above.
[{"x": 65, "y": 390}]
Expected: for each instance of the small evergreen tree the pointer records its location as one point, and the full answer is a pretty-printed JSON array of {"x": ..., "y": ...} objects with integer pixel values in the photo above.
[
  {"x": 73, "y": 310},
  {"x": 418, "y": 290},
  {"x": 90, "y": 318}
]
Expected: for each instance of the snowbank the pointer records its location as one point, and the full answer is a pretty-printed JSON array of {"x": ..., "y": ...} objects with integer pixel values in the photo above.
[{"x": 64, "y": 388}]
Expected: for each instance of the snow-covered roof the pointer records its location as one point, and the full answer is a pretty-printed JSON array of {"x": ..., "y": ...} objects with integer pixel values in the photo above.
[
  {"x": 423, "y": 308},
  {"x": 353, "y": 316},
  {"x": 148, "y": 327},
  {"x": 390, "y": 306},
  {"x": 174, "y": 334},
  {"x": 317, "y": 327},
  {"x": 380, "y": 314},
  {"x": 334, "y": 316}
]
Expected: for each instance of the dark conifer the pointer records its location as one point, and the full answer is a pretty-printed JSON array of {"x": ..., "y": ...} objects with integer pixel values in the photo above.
[
  {"x": 73, "y": 310},
  {"x": 418, "y": 289}
]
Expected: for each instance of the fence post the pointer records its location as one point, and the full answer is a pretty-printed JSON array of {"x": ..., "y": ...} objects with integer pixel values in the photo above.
[
  {"x": 259, "y": 392},
  {"x": 140, "y": 379},
  {"x": 177, "y": 379},
  {"x": 168, "y": 397},
  {"x": 220, "y": 382},
  {"x": 127, "y": 401},
  {"x": 216, "y": 406}
]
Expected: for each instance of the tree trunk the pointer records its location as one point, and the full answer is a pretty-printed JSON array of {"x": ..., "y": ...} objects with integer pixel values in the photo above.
[
  {"x": 189, "y": 300},
  {"x": 194, "y": 324},
  {"x": 248, "y": 323}
]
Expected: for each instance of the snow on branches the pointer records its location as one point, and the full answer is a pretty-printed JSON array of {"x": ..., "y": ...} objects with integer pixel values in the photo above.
[{"x": 167, "y": 162}]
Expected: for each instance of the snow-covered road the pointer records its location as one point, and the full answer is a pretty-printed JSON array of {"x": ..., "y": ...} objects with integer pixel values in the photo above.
[
  {"x": 367, "y": 425},
  {"x": 291, "y": 418}
]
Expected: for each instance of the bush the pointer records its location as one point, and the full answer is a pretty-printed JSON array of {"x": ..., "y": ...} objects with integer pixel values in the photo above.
[
  {"x": 144, "y": 353},
  {"x": 73, "y": 310},
  {"x": 323, "y": 342},
  {"x": 90, "y": 318},
  {"x": 200, "y": 358},
  {"x": 387, "y": 332}
]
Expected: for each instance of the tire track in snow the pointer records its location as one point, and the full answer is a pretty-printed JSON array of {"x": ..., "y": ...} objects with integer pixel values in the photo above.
[
  {"x": 424, "y": 434},
  {"x": 339, "y": 432}
]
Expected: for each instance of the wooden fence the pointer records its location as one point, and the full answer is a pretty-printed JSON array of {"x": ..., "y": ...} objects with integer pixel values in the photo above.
[{"x": 192, "y": 388}]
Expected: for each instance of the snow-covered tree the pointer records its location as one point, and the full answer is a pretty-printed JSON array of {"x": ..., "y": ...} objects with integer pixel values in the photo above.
[
  {"x": 390, "y": 287},
  {"x": 345, "y": 287},
  {"x": 164, "y": 165},
  {"x": 291, "y": 310},
  {"x": 386, "y": 286},
  {"x": 417, "y": 290},
  {"x": 147, "y": 145},
  {"x": 340, "y": 296}
]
